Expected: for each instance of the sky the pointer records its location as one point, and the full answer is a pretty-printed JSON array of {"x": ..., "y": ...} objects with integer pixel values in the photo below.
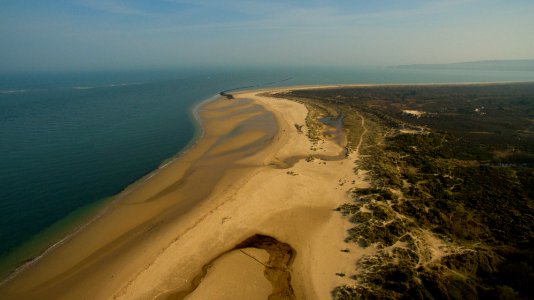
[{"x": 77, "y": 35}]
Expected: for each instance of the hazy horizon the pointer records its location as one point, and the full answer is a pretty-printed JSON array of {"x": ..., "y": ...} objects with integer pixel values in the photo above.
[{"x": 94, "y": 35}]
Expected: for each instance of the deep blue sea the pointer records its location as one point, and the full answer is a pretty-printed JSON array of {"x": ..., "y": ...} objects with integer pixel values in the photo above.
[{"x": 69, "y": 141}]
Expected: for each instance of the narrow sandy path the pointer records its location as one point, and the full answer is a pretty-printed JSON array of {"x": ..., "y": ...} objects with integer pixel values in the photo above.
[{"x": 360, "y": 142}]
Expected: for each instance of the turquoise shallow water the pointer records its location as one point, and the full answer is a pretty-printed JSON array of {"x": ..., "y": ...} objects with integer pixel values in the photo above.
[{"x": 70, "y": 140}]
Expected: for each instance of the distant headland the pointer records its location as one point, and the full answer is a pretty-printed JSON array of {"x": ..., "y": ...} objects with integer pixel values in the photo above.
[{"x": 494, "y": 65}]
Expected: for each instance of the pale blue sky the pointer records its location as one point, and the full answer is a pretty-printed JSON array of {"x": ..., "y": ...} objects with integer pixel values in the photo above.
[{"x": 59, "y": 35}]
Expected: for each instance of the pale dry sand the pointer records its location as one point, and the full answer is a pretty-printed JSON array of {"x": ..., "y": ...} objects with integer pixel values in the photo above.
[
  {"x": 415, "y": 113},
  {"x": 235, "y": 275},
  {"x": 161, "y": 233}
]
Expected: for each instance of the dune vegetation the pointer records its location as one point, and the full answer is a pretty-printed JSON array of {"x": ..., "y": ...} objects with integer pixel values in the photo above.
[{"x": 450, "y": 210}]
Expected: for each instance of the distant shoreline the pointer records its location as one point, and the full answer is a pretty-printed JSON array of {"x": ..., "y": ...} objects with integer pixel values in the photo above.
[{"x": 522, "y": 65}]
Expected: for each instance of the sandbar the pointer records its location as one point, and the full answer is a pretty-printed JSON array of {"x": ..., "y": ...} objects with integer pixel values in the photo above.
[{"x": 231, "y": 192}]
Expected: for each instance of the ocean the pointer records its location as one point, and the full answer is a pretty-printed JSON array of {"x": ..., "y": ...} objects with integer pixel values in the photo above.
[{"x": 69, "y": 142}]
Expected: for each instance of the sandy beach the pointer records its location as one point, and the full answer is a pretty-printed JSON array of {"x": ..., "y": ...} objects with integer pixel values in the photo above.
[{"x": 246, "y": 213}]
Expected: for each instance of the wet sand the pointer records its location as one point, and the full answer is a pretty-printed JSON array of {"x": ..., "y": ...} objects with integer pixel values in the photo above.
[{"x": 159, "y": 236}]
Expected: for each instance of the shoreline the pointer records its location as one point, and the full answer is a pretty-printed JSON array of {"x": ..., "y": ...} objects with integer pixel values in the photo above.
[
  {"x": 111, "y": 201},
  {"x": 103, "y": 205},
  {"x": 270, "y": 157},
  {"x": 206, "y": 142},
  {"x": 199, "y": 130},
  {"x": 328, "y": 86}
]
